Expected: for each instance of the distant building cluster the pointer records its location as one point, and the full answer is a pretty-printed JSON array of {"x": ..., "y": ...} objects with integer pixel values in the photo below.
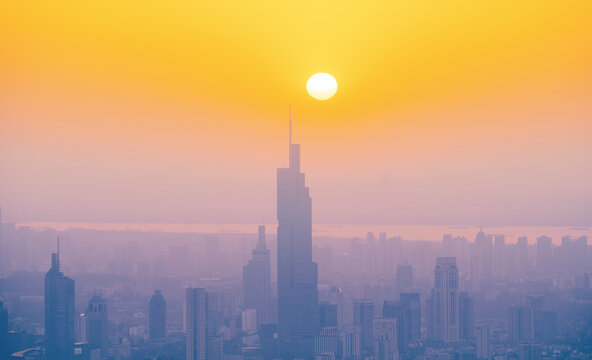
[{"x": 231, "y": 296}]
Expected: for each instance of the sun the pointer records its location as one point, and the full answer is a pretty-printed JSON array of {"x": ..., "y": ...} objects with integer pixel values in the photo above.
[{"x": 321, "y": 86}]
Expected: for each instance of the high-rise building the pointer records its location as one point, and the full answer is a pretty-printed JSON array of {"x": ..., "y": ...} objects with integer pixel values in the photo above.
[
  {"x": 522, "y": 255},
  {"x": 257, "y": 280},
  {"x": 520, "y": 324},
  {"x": 466, "y": 317},
  {"x": 385, "y": 339},
  {"x": 3, "y": 332},
  {"x": 363, "y": 318},
  {"x": 475, "y": 272},
  {"x": 499, "y": 250},
  {"x": 297, "y": 274},
  {"x": 336, "y": 298},
  {"x": 573, "y": 253},
  {"x": 157, "y": 316},
  {"x": 352, "y": 344},
  {"x": 249, "y": 321},
  {"x": 196, "y": 322},
  {"x": 327, "y": 314},
  {"x": 483, "y": 247},
  {"x": 411, "y": 301},
  {"x": 404, "y": 278},
  {"x": 544, "y": 253},
  {"x": 59, "y": 312},
  {"x": 396, "y": 310},
  {"x": 446, "y": 314},
  {"x": 327, "y": 343},
  {"x": 268, "y": 340},
  {"x": 97, "y": 324},
  {"x": 483, "y": 343}
]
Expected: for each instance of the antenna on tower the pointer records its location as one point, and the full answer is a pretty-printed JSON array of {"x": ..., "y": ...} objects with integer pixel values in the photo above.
[
  {"x": 290, "y": 116},
  {"x": 59, "y": 265}
]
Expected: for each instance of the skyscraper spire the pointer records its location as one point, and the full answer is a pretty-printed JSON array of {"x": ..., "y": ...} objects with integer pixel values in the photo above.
[
  {"x": 261, "y": 238},
  {"x": 58, "y": 257},
  {"x": 294, "y": 153}
]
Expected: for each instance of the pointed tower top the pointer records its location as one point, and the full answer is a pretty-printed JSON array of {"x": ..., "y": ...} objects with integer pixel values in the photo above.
[
  {"x": 261, "y": 238},
  {"x": 294, "y": 149},
  {"x": 58, "y": 256}
]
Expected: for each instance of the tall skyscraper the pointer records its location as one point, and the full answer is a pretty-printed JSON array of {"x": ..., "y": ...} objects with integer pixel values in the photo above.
[
  {"x": 520, "y": 324},
  {"x": 297, "y": 274},
  {"x": 499, "y": 250},
  {"x": 257, "y": 281},
  {"x": 3, "y": 332},
  {"x": 522, "y": 255},
  {"x": 385, "y": 339},
  {"x": 483, "y": 343},
  {"x": 351, "y": 342},
  {"x": 466, "y": 317},
  {"x": 400, "y": 312},
  {"x": 97, "y": 324},
  {"x": 327, "y": 343},
  {"x": 483, "y": 246},
  {"x": 411, "y": 301},
  {"x": 544, "y": 253},
  {"x": 363, "y": 318},
  {"x": 157, "y": 316},
  {"x": 327, "y": 315},
  {"x": 196, "y": 322},
  {"x": 446, "y": 300},
  {"x": 59, "y": 312}
]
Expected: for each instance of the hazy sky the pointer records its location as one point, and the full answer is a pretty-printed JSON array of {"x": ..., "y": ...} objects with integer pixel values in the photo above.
[{"x": 455, "y": 112}]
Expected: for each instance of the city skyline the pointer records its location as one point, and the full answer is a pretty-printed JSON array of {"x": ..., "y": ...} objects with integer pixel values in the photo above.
[{"x": 310, "y": 180}]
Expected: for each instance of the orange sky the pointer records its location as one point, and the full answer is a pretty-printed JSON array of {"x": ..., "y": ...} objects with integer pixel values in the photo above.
[{"x": 175, "y": 111}]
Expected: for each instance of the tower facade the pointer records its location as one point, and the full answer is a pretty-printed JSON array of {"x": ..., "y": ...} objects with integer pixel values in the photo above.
[
  {"x": 157, "y": 316},
  {"x": 196, "y": 321},
  {"x": 363, "y": 318},
  {"x": 3, "y": 332},
  {"x": 97, "y": 323},
  {"x": 446, "y": 314},
  {"x": 59, "y": 313},
  {"x": 257, "y": 280},
  {"x": 297, "y": 273}
]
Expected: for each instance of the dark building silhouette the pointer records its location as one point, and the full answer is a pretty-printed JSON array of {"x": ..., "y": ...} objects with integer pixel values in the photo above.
[
  {"x": 157, "y": 316},
  {"x": 520, "y": 324},
  {"x": 385, "y": 339},
  {"x": 257, "y": 280},
  {"x": 445, "y": 301},
  {"x": 297, "y": 274},
  {"x": 97, "y": 324},
  {"x": 327, "y": 315},
  {"x": 363, "y": 318},
  {"x": 412, "y": 302},
  {"x": 3, "y": 332},
  {"x": 400, "y": 312},
  {"x": 59, "y": 312},
  {"x": 196, "y": 322},
  {"x": 467, "y": 320},
  {"x": 268, "y": 341}
]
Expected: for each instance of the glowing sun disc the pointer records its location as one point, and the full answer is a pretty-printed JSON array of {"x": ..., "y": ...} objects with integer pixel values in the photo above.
[{"x": 321, "y": 86}]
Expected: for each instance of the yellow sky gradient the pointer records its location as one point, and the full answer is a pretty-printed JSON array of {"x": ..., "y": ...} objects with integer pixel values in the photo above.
[{"x": 104, "y": 102}]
